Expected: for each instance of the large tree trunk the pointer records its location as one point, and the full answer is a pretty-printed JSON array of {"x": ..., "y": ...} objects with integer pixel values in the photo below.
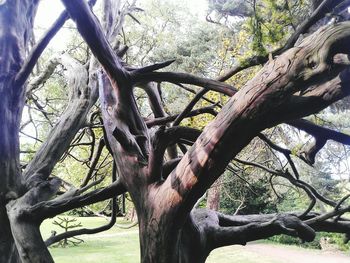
[
  {"x": 16, "y": 28},
  {"x": 20, "y": 238},
  {"x": 26, "y": 232},
  {"x": 8, "y": 252},
  {"x": 169, "y": 230},
  {"x": 160, "y": 245},
  {"x": 9, "y": 166}
]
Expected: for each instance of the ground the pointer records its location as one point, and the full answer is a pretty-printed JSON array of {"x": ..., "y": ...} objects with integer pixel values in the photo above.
[
  {"x": 269, "y": 253},
  {"x": 121, "y": 245}
]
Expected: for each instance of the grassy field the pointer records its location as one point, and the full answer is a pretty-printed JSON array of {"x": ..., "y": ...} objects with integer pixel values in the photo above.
[
  {"x": 114, "y": 245},
  {"x": 121, "y": 245}
]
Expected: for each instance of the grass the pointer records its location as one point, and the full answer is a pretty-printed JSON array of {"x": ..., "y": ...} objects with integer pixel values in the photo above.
[
  {"x": 113, "y": 245},
  {"x": 87, "y": 222},
  {"x": 122, "y": 245},
  {"x": 102, "y": 250}
]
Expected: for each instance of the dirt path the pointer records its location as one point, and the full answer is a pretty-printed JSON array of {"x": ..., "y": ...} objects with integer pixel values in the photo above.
[
  {"x": 289, "y": 254},
  {"x": 261, "y": 252}
]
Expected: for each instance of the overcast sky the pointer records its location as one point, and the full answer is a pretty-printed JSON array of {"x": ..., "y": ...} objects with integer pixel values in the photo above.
[{"x": 49, "y": 11}]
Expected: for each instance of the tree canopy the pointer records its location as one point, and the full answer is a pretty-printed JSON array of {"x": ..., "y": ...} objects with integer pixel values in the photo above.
[{"x": 245, "y": 108}]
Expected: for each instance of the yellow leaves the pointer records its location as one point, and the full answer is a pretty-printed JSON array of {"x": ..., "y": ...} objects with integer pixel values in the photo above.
[
  {"x": 240, "y": 51},
  {"x": 200, "y": 121},
  {"x": 226, "y": 43}
]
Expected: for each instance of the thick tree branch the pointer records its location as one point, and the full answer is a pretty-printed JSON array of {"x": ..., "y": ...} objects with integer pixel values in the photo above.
[
  {"x": 62, "y": 134},
  {"x": 47, "y": 209},
  {"x": 83, "y": 231},
  {"x": 165, "y": 120},
  {"x": 216, "y": 229},
  {"x": 155, "y": 100},
  {"x": 325, "y": 7},
  {"x": 125, "y": 125},
  {"x": 43, "y": 76},
  {"x": 185, "y": 78},
  {"x": 39, "y": 48},
  {"x": 91, "y": 31},
  {"x": 321, "y": 135},
  {"x": 251, "y": 109},
  {"x": 322, "y": 9},
  {"x": 162, "y": 140}
]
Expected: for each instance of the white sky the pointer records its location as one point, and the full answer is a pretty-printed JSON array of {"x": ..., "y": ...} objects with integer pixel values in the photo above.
[{"x": 49, "y": 10}]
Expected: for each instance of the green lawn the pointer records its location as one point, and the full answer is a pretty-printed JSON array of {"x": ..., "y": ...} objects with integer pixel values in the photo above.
[
  {"x": 121, "y": 245},
  {"x": 114, "y": 245}
]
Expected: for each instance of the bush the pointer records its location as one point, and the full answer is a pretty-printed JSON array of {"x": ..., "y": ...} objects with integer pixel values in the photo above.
[
  {"x": 332, "y": 238},
  {"x": 288, "y": 240}
]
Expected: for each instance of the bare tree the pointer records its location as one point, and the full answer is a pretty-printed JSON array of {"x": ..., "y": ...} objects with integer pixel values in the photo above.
[{"x": 300, "y": 81}]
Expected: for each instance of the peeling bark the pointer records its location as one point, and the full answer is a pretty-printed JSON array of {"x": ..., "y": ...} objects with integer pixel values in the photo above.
[
  {"x": 301, "y": 81},
  {"x": 164, "y": 205},
  {"x": 26, "y": 232},
  {"x": 15, "y": 33},
  {"x": 213, "y": 199},
  {"x": 82, "y": 98}
]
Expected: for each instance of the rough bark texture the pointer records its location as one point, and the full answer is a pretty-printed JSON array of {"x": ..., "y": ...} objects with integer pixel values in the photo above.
[
  {"x": 213, "y": 199},
  {"x": 15, "y": 33},
  {"x": 301, "y": 81},
  {"x": 82, "y": 98},
  {"x": 164, "y": 205},
  {"x": 19, "y": 192}
]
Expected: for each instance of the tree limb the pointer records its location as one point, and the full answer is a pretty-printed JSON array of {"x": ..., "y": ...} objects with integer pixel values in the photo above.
[
  {"x": 83, "y": 231},
  {"x": 321, "y": 135}
]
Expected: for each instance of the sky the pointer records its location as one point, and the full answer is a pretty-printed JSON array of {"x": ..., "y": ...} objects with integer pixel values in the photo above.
[{"x": 49, "y": 10}]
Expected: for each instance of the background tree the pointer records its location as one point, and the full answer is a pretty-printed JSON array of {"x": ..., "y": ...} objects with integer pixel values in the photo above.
[
  {"x": 164, "y": 166},
  {"x": 67, "y": 224}
]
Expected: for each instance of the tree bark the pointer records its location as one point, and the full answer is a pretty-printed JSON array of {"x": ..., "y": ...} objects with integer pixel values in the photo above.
[
  {"x": 163, "y": 226},
  {"x": 8, "y": 251},
  {"x": 26, "y": 232},
  {"x": 213, "y": 200},
  {"x": 16, "y": 31},
  {"x": 164, "y": 204}
]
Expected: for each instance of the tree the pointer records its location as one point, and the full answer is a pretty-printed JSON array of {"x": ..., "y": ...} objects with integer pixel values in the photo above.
[
  {"x": 294, "y": 82},
  {"x": 67, "y": 223}
]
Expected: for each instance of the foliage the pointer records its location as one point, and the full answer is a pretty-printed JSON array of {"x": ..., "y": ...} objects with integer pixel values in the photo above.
[
  {"x": 263, "y": 26},
  {"x": 239, "y": 197},
  {"x": 67, "y": 224},
  {"x": 321, "y": 241}
]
